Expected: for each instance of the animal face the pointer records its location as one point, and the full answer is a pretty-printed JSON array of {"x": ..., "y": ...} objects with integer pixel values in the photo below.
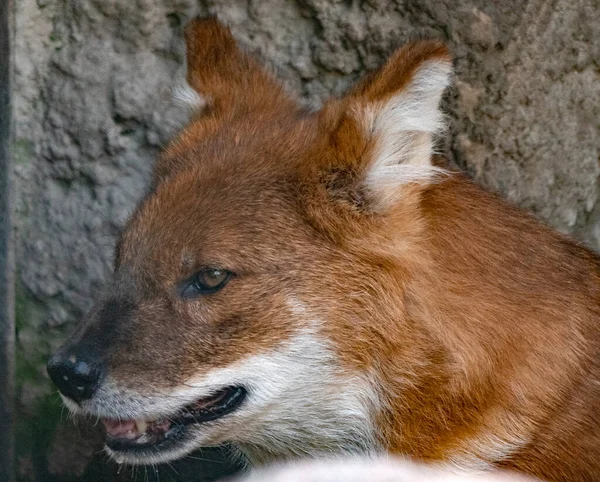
[{"x": 248, "y": 279}]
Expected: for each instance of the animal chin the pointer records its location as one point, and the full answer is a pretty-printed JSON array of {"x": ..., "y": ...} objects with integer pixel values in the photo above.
[{"x": 149, "y": 437}]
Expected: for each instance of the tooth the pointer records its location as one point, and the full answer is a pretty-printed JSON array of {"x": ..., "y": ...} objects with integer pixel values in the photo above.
[{"x": 141, "y": 426}]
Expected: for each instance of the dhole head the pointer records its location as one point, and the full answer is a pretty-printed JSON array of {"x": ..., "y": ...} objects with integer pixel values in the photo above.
[{"x": 247, "y": 281}]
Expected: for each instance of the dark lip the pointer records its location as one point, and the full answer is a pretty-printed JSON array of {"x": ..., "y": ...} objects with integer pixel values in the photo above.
[
  {"x": 170, "y": 438},
  {"x": 187, "y": 416}
]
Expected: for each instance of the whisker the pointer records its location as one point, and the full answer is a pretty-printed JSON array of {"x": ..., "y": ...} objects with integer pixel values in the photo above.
[{"x": 202, "y": 459}]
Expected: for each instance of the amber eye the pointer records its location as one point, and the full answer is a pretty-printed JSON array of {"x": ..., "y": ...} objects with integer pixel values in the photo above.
[
  {"x": 210, "y": 279},
  {"x": 205, "y": 282}
]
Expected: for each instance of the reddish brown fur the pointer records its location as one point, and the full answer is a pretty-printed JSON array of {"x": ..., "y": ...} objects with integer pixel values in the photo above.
[
  {"x": 477, "y": 322},
  {"x": 501, "y": 315}
]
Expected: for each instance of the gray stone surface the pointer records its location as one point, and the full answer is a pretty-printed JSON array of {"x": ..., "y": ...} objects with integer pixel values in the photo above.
[{"x": 92, "y": 108}]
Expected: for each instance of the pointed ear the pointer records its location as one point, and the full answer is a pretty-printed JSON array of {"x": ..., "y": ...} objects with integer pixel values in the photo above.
[
  {"x": 385, "y": 135},
  {"x": 220, "y": 76}
]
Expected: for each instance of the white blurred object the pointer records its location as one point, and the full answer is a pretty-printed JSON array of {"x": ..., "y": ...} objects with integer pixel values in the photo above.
[{"x": 379, "y": 469}]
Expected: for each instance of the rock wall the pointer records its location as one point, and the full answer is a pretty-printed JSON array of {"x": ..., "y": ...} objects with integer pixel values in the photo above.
[{"x": 92, "y": 108}]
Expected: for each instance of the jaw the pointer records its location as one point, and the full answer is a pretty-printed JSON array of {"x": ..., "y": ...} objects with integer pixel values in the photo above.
[
  {"x": 161, "y": 434},
  {"x": 170, "y": 437},
  {"x": 264, "y": 453},
  {"x": 298, "y": 402},
  {"x": 181, "y": 444}
]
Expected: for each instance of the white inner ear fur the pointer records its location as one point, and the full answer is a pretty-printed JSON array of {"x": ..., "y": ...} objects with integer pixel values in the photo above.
[
  {"x": 184, "y": 95},
  {"x": 402, "y": 130}
]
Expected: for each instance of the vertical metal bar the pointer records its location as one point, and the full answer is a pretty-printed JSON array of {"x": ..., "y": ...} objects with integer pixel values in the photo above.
[{"x": 7, "y": 321}]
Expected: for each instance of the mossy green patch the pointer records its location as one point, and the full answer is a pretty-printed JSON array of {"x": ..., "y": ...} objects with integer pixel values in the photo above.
[
  {"x": 34, "y": 433},
  {"x": 23, "y": 151},
  {"x": 28, "y": 310},
  {"x": 29, "y": 315},
  {"x": 37, "y": 416}
]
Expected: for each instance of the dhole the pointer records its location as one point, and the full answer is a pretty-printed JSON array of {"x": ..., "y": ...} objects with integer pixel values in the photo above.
[{"x": 307, "y": 283}]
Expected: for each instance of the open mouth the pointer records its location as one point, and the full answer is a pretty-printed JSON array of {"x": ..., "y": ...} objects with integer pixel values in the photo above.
[{"x": 128, "y": 435}]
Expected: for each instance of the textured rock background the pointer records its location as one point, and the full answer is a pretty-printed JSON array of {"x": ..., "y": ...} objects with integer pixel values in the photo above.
[{"x": 92, "y": 108}]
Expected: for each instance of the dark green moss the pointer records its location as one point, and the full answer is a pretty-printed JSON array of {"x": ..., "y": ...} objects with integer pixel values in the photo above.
[
  {"x": 23, "y": 151},
  {"x": 34, "y": 433},
  {"x": 35, "y": 424}
]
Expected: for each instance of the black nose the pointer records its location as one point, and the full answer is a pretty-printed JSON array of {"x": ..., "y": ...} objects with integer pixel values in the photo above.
[{"x": 75, "y": 377}]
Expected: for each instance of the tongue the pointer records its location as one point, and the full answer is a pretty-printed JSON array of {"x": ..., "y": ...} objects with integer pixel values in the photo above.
[{"x": 116, "y": 428}]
